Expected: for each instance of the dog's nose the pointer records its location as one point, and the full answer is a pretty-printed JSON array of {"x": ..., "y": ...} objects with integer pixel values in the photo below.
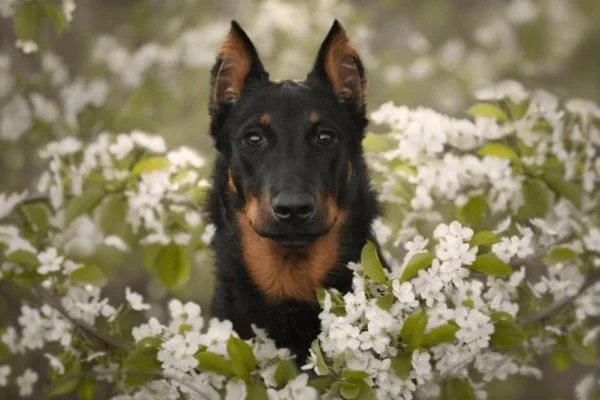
[{"x": 293, "y": 207}]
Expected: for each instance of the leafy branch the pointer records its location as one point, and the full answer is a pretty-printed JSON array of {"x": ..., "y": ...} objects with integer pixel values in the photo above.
[
  {"x": 562, "y": 303},
  {"x": 47, "y": 297}
]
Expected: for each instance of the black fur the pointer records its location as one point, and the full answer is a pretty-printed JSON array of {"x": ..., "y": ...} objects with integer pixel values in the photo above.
[{"x": 289, "y": 160}]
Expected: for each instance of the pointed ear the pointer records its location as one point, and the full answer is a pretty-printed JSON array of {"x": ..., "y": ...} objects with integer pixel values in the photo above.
[
  {"x": 237, "y": 63},
  {"x": 339, "y": 65}
]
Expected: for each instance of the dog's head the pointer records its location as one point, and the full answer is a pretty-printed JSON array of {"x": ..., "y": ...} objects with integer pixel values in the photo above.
[{"x": 291, "y": 148}]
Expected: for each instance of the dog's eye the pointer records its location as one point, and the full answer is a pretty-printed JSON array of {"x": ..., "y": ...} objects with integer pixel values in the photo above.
[
  {"x": 254, "y": 139},
  {"x": 325, "y": 138}
]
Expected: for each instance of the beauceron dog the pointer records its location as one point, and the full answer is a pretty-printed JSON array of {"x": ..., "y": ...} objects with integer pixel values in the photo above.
[{"x": 291, "y": 200}]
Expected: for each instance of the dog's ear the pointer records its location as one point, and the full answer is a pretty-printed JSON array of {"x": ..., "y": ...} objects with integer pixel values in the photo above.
[
  {"x": 339, "y": 65},
  {"x": 237, "y": 65}
]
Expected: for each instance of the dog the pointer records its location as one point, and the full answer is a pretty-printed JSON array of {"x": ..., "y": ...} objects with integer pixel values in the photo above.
[{"x": 291, "y": 201}]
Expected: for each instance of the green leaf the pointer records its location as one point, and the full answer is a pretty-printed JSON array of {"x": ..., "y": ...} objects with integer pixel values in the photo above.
[
  {"x": 150, "y": 164},
  {"x": 561, "y": 360},
  {"x": 375, "y": 143},
  {"x": 473, "y": 212},
  {"x": 87, "y": 388},
  {"x": 413, "y": 329},
  {"x": 321, "y": 364},
  {"x": 386, "y": 302},
  {"x": 459, "y": 389},
  {"x": 25, "y": 19},
  {"x": 585, "y": 355},
  {"x": 401, "y": 365},
  {"x": 366, "y": 391},
  {"x": 242, "y": 358},
  {"x": 442, "y": 334},
  {"x": 285, "y": 372},
  {"x": 89, "y": 274},
  {"x": 321, "y": 292},
  {"x": 501, "y": 316},
  {"x": 113, "y": 218},
  {"x": 518, "y": 110},
  {"x": 212, "y": 362},
  {"x": 150, "y": 342},
  {"x": 83, "y": 204},
  {"x": 37, "y": 215},
  {"x": 23, "y": 257},
  {"x": 173, "y": 265},
  {"x": 151, "y": 253},
  {"x": 418, "y": 262},
  {"x": 371, "y": 263},
  {"x": 67, "y": 382},
  {"x": 484, "y": 238},
  {"x": 321, "y": 383},
  {"x": 5, "y": 353},
  {"x": 142, "y": 358},
  {"x": 490, "y": 264},
  {"x": 56, "y": 15},
  {"x": 560, "y": 254},
  {"x": 349, "y": 390},
  {"x": 554, "y": 177},
  {"x": 506, "y": 334},
  {"x": 256, "y": 390},
  {"x": 354, "y": 374},
  {"x": 535, "y": 200},
  {"x": 499, "y": 151},
  {"x": 488, "y": 110},
  {"x": 543, "y": 125}
]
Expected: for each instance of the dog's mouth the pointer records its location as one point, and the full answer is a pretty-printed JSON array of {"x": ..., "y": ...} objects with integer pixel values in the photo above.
[{"x": 294, "y": 240}]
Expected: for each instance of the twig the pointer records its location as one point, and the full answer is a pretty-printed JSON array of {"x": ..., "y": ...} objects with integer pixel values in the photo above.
[
  {"x": 35, "y": 198},
  {"x": 153, "y": 372},
  {"x": 542, "y": 252},
  {"x": 560, "y": 304},
  {"x": 53, "y": 302}
]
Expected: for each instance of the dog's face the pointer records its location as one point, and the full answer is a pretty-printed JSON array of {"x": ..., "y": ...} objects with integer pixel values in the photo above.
[{"x": 288, "y": 145}]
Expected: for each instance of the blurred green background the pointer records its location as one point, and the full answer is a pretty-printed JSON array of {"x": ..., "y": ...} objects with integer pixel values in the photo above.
[{"x": 143, "y": 64}]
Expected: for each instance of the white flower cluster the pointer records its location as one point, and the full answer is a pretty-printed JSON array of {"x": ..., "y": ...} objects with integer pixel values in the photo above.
[
  {"x": 365, "y": 334},
  {"x": 182, "y": 340},
  {"x": 168, "y": 184}
]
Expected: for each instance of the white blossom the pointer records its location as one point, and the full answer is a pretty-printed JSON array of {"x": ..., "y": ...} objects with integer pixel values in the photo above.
[
  {"x": 295, "y": 389},
  {"x": 26, "y": 381},
  {"x": 50, "y": 261},
  {"x": 8, "y": 203},
  {"x": 135, "y": 300},
  {"x": 4, "y": 374},
  {"x": 55, "y": 364}
]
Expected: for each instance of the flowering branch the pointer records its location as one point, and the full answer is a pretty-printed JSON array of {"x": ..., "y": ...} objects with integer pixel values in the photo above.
[
  {"x": 542, "y": 251},
  {"x": 53, "y": 302},
  {"x": 35, "y": 198},
  {"x": 562, "y": 303}
]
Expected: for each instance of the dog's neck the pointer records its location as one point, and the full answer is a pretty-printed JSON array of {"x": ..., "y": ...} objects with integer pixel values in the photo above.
[{"x": 288, "y": 274}]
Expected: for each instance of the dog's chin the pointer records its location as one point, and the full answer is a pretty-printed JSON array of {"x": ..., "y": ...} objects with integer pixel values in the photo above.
[{"x": 294, "y": 240}]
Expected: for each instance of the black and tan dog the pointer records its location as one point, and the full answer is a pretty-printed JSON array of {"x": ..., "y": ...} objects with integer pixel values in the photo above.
[{"x": 291, "y": 199}]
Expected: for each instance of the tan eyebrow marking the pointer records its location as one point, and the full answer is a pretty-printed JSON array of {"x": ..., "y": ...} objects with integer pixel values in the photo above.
[
  {"x": 314, "y": 117},
  {"x": 265, "y": 119}
]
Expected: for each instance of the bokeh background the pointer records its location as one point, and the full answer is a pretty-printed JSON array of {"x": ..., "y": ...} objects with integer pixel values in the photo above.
[{"x": 143, "y": 64}]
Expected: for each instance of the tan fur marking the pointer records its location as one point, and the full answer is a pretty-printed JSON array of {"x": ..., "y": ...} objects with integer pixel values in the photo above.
[
  {"x": 283, "y": 274},
  {"x": 234, "y": 68},
  {"x": 342, "y": 70},
  {"x": 251, "y": 211},
  {"x": 314, "y": 117},
  {"x": 230, "y": 182},
  {"x": 265, "y": 119}
]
